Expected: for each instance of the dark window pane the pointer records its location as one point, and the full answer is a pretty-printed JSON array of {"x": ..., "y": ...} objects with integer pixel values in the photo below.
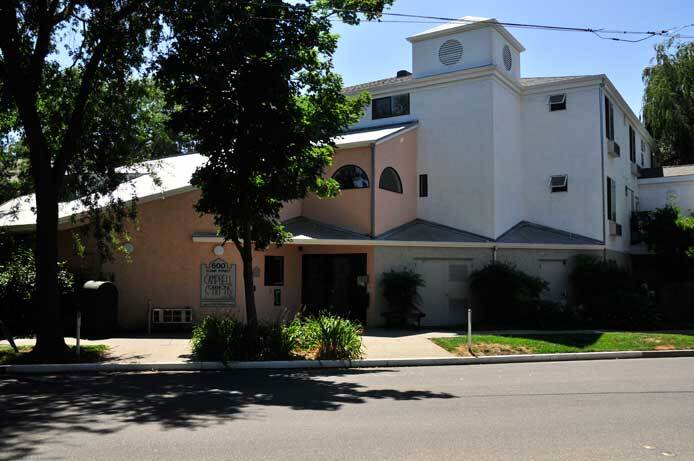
[
  {"x": 351, "y": 177},
  {"x": 557, "y": 102},
  {"x": 380, "y": 108},
  {"x": 400, "y": 104},
  {"x": 423, "y": 185},
  {"x": 390, "y": 180},
  {"x": 274, "y": 270}
]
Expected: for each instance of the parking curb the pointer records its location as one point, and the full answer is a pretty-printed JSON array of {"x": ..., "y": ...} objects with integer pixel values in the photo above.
[{"x": 328, "y": 364}]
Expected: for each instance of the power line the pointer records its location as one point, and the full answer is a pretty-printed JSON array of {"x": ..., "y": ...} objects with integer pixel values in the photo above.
[{"x": 601, "y": 33}]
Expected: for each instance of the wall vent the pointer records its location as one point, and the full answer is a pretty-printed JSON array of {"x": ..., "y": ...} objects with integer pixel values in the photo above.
[
  {"x": 450, "y": 52},
  {"x": 508, "y": 59}
]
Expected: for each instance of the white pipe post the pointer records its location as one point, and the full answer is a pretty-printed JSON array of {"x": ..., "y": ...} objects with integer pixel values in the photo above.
[
  {"x": 469, "y": 328},
  {"x": 79, "y": 327}
]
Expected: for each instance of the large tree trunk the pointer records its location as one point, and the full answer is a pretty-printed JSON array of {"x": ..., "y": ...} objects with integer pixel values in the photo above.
[
  {"x": 251, "y": 336},
  {"x": 50, "y": 343},
  {"x": 248, "y": 285}
]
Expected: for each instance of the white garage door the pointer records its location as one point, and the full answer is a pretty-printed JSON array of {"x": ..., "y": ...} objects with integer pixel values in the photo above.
[{"x": 445, "y": 297}]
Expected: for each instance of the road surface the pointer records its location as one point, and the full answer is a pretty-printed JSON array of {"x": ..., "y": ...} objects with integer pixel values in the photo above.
[{"x": 617, "y": 410}]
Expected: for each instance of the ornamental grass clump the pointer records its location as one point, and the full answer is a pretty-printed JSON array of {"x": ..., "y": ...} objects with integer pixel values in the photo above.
[
  {"x": 338, "y": 338},
  {"x": 217, "y": 338}
]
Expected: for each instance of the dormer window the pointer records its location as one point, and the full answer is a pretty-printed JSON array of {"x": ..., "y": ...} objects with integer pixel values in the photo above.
[
  {"x": 390, "y": 106},
  {"x": 557, "y": 102},
  {"x": 559, "y": 183}
]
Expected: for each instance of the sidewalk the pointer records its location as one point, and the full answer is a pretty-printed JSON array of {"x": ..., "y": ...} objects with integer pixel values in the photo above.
[
  {"x": 135, "y": 349},
  {"x": 378, "y": 344}
]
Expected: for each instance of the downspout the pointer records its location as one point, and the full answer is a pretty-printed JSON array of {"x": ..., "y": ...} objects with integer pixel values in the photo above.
[
  {"x": 494, "y": 249},
  {"x": 601, "y": 107},
  {"x": 373, "y": 190}
]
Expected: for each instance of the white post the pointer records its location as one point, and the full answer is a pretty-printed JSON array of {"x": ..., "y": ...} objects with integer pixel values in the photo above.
[
  {"x": 77, "y": 334},
  {"x": 469, "y": 328}
]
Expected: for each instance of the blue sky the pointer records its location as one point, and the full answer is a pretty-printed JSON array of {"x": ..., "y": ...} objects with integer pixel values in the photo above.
[{"x": 371, "y": 50}]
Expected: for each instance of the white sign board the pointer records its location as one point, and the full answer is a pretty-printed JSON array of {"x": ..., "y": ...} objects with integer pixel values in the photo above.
[{"x": 218, "y": 284}]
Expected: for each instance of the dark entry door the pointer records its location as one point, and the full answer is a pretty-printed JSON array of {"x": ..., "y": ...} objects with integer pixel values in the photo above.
[{"x": 331, "y": 282}]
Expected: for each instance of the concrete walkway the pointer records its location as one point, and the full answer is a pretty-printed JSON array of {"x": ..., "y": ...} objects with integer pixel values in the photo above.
[
  {"x": 400, "y": 344},
  {"x": 378, "y": 344},
  {"x": 135, "y": 349}
]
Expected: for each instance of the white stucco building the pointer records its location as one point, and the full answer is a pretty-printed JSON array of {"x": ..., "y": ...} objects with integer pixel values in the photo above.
[{"x": 457, "y": 163}]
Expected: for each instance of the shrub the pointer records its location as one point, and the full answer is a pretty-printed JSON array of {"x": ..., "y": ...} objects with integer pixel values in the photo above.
[
  {"x": 505, "y": 293},
  {"x": 217, "y": 338},
  {"x": 225, "y": 339},
  {"x": 400, "y": 289},
  {"x": 339, "y": 339},
  {"x": 607, "y": 295},
  {"x": 18, "y": 288}
]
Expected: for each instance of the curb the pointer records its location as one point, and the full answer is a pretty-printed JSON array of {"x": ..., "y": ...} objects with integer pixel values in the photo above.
[{"x": 328, "y": 364}]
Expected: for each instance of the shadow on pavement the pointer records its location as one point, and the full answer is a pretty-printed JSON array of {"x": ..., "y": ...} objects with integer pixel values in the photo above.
[{"x": 34, "y": 408}]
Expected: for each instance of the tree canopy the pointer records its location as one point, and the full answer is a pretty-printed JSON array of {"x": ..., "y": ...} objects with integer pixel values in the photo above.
[
  {"x": 668, "y": 103},
  {"x": 257, "y": 93},
  {"x": 70, "y": 112}
]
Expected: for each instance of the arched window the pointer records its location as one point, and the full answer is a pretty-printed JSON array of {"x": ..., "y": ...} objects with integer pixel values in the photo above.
[
  {"x": 390, "y": 180},
  {"x": 351, "y": 177}
]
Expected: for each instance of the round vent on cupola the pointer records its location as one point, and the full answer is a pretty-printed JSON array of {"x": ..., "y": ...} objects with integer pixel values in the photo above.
[
  {"x": 508, "y": 59},
  {"x": 450, "y": 52}
]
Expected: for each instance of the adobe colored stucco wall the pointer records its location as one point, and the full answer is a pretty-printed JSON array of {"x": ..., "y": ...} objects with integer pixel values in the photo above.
[
  {"x": 393, "y": 209},
  {"x": 351, "y": 209},
  {"x": 165, "y": 265}
]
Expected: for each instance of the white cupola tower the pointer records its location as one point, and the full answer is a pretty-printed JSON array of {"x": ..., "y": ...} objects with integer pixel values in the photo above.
[{"x": 465, "y": 44}]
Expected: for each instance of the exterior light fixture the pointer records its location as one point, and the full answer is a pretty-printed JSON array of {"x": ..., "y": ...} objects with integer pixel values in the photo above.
[{"x": 218, "y": 250}]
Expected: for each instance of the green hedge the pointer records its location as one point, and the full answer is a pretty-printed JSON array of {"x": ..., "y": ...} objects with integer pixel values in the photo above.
[{"x": 325, "y": 336}]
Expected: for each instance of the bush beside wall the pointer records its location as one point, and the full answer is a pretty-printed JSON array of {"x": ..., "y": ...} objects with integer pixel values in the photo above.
[{"x": 323, "y": 337}]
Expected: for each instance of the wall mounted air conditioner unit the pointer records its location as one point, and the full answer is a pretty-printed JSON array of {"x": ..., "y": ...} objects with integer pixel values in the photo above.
[
  {"x": 181, "y": 315},
  {"x": 615, "y": 228},
  {"x": 613, "y": 149}
]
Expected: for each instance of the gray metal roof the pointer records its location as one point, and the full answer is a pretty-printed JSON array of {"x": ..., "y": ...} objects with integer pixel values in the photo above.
[
  {"x": 305, "y": 228},
  {"x": 375, "y": 84},
  {"x": 534, "y": 81},
  {"x": 525, "y": 82},
  {"x": 425, "y": 231},
  {"x": 527, "y": 232},
  {"x": 667, "y": 171}
]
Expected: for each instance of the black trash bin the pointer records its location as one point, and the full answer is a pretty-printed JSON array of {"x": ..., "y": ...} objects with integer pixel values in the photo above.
[{"x": 99, "y": 306}]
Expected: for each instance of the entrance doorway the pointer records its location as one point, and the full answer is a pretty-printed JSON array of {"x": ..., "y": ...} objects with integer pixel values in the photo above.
[{"x": 337, "y": 283}]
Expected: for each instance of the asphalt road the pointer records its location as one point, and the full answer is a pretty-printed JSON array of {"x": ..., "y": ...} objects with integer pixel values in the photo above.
[{"x": 600, "y": 410}]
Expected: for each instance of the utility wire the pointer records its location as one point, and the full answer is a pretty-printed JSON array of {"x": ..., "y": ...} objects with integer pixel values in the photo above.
[{"x": 604, "y": 34}]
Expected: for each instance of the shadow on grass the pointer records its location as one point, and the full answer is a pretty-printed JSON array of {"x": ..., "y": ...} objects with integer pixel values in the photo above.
[
  {"x": 579, "y": 340},
  {"x": 55, "y": 407}
]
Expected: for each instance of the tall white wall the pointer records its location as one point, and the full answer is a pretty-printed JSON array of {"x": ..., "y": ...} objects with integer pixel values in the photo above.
[
  {"x": 564, "y": 142},
  {"x": 658, "y": 192},
  {"x": 455, "y": 150},
  {"x": 509, "y": 205},
  {"x": 619, "y": 169}
]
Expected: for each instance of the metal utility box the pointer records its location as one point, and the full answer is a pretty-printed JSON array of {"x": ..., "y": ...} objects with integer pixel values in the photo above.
[{"x": 99, "y": 306}]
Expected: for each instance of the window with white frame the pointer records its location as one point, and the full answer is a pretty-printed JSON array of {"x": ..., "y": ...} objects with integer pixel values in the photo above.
[
  {"x": 559, "y": 183},
  {"x": 557, "y": 102},
  {"x": 390, "y": 106}
]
